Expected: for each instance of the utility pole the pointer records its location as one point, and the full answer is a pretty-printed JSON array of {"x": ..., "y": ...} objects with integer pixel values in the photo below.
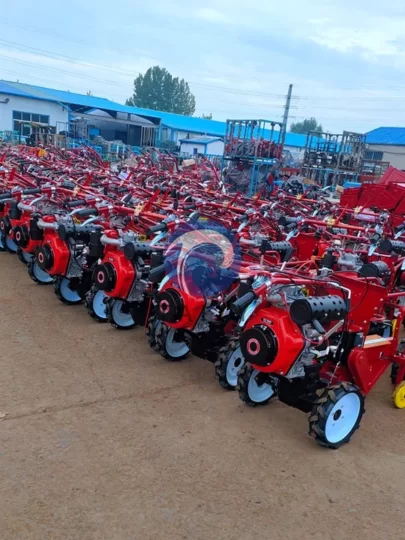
[{"x": 286, "y": 113}]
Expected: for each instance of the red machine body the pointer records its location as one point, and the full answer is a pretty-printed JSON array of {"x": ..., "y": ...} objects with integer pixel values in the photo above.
[
  {"x": 290, "y": 340},
  {"x": 116, "y": 274},
  {"x": 179, "y": 308}
]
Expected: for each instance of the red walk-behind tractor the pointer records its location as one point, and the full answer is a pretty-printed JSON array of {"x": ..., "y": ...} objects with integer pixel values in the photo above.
[{"x": 320, "y": 345}]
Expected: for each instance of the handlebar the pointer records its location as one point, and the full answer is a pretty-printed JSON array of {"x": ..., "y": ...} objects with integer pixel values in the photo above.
[
  {"x": 73, "y": 204},
  {"x": 86, "y": 212},
  {"x": 160, "y": 227},
  {"x": 239, "y": 306}
]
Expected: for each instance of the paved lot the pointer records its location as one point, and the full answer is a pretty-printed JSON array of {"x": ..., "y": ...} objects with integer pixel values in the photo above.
[{"x": 104, "y": 440}]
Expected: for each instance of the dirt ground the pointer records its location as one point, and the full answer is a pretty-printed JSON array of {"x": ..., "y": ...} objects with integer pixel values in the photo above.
[{"x": 104, "y": 440}]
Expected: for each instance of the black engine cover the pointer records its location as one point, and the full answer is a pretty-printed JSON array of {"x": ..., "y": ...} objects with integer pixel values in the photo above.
[
  {"x": 21, "y": 236},
  {"x": 105, "y": 277},
  {"x": 45, "y": 257},
  {"x": 169, "y": 306},
  {"x": 259, "y": 346}
]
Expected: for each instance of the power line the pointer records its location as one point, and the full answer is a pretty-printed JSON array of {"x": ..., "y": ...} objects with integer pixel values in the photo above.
[
  {"x": 70, "y": 59},
  {"x": 109, "y": 49}
]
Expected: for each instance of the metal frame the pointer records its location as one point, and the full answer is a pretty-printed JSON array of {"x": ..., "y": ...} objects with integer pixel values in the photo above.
[
  {"x": 257, "y": 144},
  {"x": 332, "y": 159}
]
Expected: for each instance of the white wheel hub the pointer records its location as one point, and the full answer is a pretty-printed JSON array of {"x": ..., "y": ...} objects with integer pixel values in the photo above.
[
  {"x": 233, "y": 366},
  {"x": 259, "y": 393},
  {"x": 343, "y": 417}
]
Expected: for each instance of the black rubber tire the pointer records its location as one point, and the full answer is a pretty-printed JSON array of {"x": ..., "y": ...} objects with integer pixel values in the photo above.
[
  {"x": 20, "y": 256},
  {"x": 161, "y": 335},
  {"x": 221, "y": 364},
  {"x": 88, "y": 302},
  {"x": 244, "y": 376},
  {"x": 327, "y": 399},
  {"x": 151, "y": 332},
  {"x": 110, "y": 316},
  {"x": 2, "y": 249},
  {"x": 56, "y": 287}
]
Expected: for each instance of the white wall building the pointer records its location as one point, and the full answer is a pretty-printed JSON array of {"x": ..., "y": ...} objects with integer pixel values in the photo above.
[
  {"x": 213, "y": 146},
  {"x": 14, "y": 109}
]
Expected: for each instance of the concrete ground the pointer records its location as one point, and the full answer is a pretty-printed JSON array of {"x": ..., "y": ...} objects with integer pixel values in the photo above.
[{"x": 104, "y": 440}]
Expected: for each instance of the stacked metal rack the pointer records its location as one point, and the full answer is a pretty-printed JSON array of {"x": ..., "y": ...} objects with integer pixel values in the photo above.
[
  {"x": 252, "y": 150},
  {"x": 332, "y": 159}
]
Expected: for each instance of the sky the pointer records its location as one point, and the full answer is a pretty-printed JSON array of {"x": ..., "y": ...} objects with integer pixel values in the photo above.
[{"x": 345, "y": 59}]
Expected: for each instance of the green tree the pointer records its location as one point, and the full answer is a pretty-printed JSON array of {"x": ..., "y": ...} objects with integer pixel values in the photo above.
[
  {"x": 159, "y": 90},
  {"x": 309, "y": 124}
]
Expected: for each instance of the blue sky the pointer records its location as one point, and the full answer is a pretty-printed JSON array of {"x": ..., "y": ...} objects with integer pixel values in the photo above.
[{"x": 345, "y": 59}]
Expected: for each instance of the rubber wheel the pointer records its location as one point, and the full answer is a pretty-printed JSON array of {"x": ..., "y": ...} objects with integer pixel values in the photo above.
[
  {"x": 229, "y": 362},
  {"x": 2, "y": 248},
  {"x": 336, "y": 415},
  {"x": 398, "y": 396},
  {"x": 395, "y": 366},
  {"x": 119, "y": 314},
  {"x": 250, "y": 390},
  {"x": 64, "y": 293},
  {"x": 10, "y": 245},
  {"x": 24, "y": 256},
  {"x": 168, "y": 345},
  {"x": 95, "y": 303},
  {"x": 37, "y": 274},
  {"x": 153, "y": 323}
]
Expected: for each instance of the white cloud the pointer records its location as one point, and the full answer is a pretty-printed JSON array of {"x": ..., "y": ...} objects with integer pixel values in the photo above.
[{"x": 211, "y": 15}]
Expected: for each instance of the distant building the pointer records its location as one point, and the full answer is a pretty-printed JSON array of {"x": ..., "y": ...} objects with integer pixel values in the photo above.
[
  {"x": 387, "y": 144},
  {"x": 213, "y": 146},
  {"x": 81, "y": 116}
]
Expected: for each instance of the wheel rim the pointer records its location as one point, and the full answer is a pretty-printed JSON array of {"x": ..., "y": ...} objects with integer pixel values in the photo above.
[
  {"x": 234, "y": 364},
  {"x": 399, "y": 396},
  {"x": 175, "y": 348},
  {"x": 121, "y": 318},
  {"x": 67, "y": 293},
  {"x": 99, "y": 306},
  {"x": 259, "y": 393},
  {"x": 10, "y": 244},
  {"x": 343, "y": 417},
  {"x": 40, "y": 274},
  {"x": 26, "y": 256}
]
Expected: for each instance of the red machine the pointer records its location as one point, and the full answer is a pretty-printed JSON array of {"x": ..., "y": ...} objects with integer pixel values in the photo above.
[{"x": 319, "y": 345}]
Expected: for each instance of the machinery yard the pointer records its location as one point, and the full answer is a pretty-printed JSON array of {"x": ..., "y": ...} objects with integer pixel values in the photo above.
[
  {"x": 103, "y": 439},
  {"x": 202, "y": 268}
]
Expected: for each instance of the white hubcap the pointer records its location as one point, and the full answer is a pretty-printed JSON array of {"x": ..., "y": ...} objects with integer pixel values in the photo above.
[
  {"x": 259, "y": 393},
  {"x": 343, "y": 417},
  {"x": 233, "y": 366}
]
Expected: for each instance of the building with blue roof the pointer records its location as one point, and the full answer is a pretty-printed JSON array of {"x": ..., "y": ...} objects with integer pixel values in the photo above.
[
  {"x": 212, "y": 146},
  {"x": 387, "y": 144},
  {"x": 23, "y": 105}
]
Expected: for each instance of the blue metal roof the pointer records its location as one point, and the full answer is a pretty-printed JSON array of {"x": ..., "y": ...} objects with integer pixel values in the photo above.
[
  {"x": 386, "y": 135},
  {"x": 60, "y": 96},
  {"x": 189, "y": 124},
  {"x": 201, "y": 140},
  {"x": 7, "y": 88}
]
